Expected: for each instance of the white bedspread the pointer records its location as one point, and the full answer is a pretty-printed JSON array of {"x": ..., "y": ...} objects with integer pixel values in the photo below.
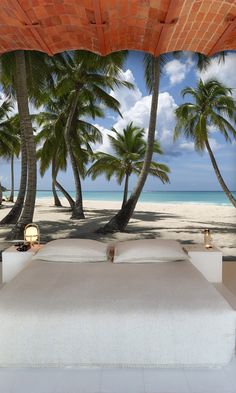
[{"x": 71, "y": 314}]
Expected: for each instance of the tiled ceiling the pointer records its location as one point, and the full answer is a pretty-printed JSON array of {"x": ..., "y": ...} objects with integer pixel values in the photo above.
[{"x": 104, "y": 26}]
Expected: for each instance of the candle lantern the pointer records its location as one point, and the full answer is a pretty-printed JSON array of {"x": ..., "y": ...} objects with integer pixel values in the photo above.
[{"x": 207, "y": 238}]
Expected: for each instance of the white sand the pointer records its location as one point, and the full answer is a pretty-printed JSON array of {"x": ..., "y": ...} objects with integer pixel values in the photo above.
[{"x": 183, "y": 222}]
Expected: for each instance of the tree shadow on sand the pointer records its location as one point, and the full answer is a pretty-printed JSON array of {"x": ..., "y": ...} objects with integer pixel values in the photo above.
[{"x": 140, "y": 226}]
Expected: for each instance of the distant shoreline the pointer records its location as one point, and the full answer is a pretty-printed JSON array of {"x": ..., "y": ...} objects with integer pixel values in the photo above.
[
  {"x": 144, "y": 191},
  {"x": 172, "y": 197},
  {"x": 145, "y": 202}
]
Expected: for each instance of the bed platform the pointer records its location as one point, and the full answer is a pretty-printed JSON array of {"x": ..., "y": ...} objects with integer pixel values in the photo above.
[{"x": 121, "y": 315}]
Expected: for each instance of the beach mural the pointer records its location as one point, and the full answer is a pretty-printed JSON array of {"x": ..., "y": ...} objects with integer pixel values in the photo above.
[{"x": 127, "y": 146}]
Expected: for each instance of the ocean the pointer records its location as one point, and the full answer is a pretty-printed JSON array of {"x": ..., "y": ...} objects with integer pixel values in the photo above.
[{"x": 209, "y": 197}]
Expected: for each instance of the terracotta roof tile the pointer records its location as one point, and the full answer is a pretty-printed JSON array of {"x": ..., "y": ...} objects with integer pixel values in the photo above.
[{"x": 103, "y": 26}]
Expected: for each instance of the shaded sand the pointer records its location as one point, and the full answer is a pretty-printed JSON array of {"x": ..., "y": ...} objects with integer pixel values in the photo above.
[{"x": 183, "y": 222}]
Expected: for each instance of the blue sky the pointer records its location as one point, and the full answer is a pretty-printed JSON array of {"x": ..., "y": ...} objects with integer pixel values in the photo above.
[{"x": 189, "y": 170}]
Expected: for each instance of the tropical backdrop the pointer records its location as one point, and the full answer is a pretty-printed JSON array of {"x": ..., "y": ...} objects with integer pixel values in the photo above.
[{"x": 127, "y": 122}]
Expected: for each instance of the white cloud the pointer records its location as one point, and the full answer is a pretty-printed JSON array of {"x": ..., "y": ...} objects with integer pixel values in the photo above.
[
  {"x": 138, "y": 111},
  {"x": 125, "y": 96},
  {"x": 138, "y": 114},
  {"x": 223, "y": 71},
  {"x": 188, "y": 146},
  {"x": 105, "y": 146},
  {"x": 166, "y": 108},
  {"x": 177, "y": 70}
]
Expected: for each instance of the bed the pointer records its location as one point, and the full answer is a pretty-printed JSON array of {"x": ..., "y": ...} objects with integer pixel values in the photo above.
[{"x": 106, "y": 314}]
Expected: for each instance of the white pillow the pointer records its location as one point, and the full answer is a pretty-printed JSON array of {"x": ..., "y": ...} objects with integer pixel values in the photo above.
[
  {"x": 73, "y": 250},
  {"x": 148, "y": 250}
]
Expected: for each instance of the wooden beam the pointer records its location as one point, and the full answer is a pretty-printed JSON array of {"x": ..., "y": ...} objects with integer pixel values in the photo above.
[
  {"x": 169, "y": 21},
  {"x": 34, "y": 27},
  {"x": 226, "y": 33},
  {"x": 100, "y": 24}
]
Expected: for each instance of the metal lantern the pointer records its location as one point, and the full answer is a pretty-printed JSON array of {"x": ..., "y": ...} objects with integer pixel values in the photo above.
[{"x": 32, "y": 234}]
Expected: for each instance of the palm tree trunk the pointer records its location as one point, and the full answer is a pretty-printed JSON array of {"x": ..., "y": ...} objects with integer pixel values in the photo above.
[
  {"x": 218, "y": 175},
  {"x": 57, "y": 201},
  {"x": 26, "y": 126},
  {"x": 126, "y": 190},
  {"x": 0, "y": 194},
  {"x": 77, "y": 210},
  {"x": 65, "y": 193},
  {"x": 14, "y": 214},
  {"x": 121, "y": 219},
  {"x": 11, "y": 197}
]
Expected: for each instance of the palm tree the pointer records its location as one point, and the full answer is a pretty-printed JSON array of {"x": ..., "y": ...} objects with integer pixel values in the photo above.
[
  {"x": 212, "y": 105},
  {"x": 153, "y": 68},
  {"x": 54, "y": 150},
  {"x": 9, "y": 141},
  {"x": 24, "y": 75},
  {"x": 152, "y": 75},
  {"x": 27, "y": 130},
  {"x": 85, "y": 77},
  {"x": 12, "y": 125},
  {"x": 14, "y": 214},
  {"x": 129, "y": 147}
]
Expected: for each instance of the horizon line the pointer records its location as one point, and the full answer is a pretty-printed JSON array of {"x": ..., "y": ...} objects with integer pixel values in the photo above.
[{"x": 49, "y": 190}]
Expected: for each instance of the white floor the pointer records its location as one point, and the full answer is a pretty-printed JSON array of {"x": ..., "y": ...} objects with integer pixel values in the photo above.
[{"x": 119, "y": 380}]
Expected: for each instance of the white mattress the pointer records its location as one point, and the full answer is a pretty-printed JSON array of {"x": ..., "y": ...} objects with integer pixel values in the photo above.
[{"x": 104, "y": 314}]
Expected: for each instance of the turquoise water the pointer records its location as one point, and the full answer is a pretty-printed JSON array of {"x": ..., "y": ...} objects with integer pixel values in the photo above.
[{"x": 211, "y": 197}]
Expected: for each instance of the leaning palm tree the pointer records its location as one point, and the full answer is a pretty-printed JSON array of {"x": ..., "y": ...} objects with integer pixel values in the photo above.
[
  {"x": 86, "y": 77},
  {"x": 51, "y": 144},
  {"x": 129, "y": 148},
  {"x": 212, "y": 104},
  {"x": 54, "y": 150},
  {"x": 119, "y": 222}
]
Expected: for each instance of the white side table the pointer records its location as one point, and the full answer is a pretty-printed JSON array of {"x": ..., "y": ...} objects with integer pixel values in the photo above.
[
  {"x": 14, "y": 261},
  {"x": 207, "y": 261}
]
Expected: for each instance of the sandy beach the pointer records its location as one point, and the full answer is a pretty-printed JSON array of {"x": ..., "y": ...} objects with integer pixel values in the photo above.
[{"x": 183, "y": 222}]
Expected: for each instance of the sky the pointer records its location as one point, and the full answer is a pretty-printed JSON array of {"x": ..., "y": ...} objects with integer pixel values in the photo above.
[{"x": 190, "y": 171}]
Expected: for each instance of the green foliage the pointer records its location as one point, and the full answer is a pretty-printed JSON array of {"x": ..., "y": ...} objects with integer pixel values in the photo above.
[
  {"x": 212, "y": 105},
  {"x": 38, "y": 72},
  {"x": 51, "y": 137},
  {"x": 90, "y": 74},
  {"x": 9, "y": 131},
  {"x": 90, "y": 77},
  {"x": 129, "y": 151}
]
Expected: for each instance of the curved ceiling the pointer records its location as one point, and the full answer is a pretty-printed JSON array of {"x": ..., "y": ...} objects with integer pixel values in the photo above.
[{"x": 104, "y": 26}]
